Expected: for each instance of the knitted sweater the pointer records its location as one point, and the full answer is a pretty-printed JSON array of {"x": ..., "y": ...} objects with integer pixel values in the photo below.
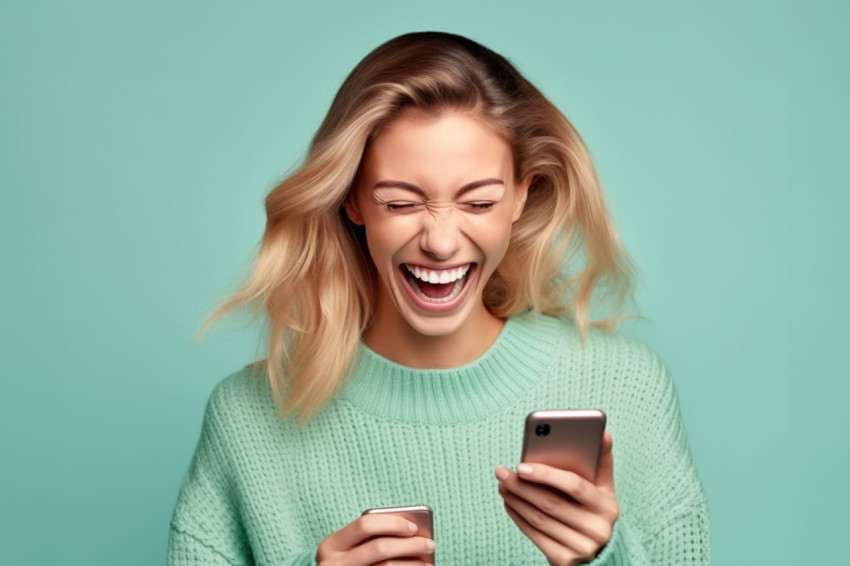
[{"x": 261, "y": 490}]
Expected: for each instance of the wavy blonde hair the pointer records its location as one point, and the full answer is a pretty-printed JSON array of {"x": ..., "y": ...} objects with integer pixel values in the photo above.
[{"x": 313, "y": 278}]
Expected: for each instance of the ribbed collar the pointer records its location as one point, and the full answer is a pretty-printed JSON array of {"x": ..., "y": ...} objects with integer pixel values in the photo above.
[{"x": 471, "y": 392}]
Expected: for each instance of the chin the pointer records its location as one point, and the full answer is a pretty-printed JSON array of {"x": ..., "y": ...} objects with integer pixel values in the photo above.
[
  {"x": 438, "y": 325},
  {"x": 435, "y": 329}
]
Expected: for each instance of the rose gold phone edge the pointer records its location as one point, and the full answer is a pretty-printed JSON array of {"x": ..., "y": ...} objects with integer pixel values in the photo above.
[
  {"x": 577, "y": 451},
  {"x": 421, "y": 515}
]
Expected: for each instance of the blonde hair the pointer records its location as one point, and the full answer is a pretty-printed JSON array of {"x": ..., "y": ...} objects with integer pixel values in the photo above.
[{"x": 313, "y": 277}]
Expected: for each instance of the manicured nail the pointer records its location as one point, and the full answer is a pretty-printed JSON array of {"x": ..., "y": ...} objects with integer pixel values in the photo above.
[
  {"x": 412, "y": 526},
  {"x": 524, "y": 469},
  {"x": 502, "y": 473}
]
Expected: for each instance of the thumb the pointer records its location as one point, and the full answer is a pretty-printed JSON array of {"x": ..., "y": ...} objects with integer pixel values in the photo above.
[{"x": 605, "y": 469}]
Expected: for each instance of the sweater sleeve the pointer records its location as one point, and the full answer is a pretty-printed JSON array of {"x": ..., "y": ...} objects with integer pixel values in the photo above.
[
  {"x": 681, "y": 533},
  {"x": 683, "y": 542},
  {"x": 664, "y": 517},
  {"x": 667, "y": 522},
  {"x": 205, "y": 526}
]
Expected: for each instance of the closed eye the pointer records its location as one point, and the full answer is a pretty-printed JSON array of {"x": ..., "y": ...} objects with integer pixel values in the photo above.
[
  {"x": 400, "y": 206},
  {"x": 480, "y": 206}
]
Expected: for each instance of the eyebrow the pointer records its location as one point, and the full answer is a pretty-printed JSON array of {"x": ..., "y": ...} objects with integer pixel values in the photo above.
[{"x": 413, "y": 188}]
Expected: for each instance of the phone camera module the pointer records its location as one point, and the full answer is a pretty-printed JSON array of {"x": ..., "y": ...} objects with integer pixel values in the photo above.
[{"x": 542, "y": 430}]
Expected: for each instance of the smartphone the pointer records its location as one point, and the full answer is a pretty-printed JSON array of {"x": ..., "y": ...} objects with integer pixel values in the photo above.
[
  {"x": 569, "y": 439},
  {"x": 420, "y": 515}
]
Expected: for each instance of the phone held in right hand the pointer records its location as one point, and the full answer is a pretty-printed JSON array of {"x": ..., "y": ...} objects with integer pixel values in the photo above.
[{"x": 568, "y": 439}]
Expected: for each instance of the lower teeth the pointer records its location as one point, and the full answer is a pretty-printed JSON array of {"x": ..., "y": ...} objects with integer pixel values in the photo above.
[{"x": 455, "y": 291}]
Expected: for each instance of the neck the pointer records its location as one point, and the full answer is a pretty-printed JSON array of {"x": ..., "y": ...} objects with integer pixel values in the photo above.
[{"x": 402, "y": 344}]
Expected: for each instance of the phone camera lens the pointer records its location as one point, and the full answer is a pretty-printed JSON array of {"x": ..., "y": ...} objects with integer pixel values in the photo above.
[{"x": 542, "y": 430}]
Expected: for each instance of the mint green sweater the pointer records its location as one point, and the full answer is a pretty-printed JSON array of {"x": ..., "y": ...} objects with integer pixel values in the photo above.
[{"x": 260, "y": 490}]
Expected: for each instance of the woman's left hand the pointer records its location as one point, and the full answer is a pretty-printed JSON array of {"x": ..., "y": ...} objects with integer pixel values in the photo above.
[{"x": 568, "y": 517}]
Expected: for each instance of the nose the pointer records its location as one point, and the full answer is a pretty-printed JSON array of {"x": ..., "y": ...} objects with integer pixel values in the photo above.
[{"x": 440, "y": 235}]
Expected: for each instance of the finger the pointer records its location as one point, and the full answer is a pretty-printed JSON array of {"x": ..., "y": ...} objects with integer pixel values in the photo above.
[
  {"x": 572, "y": 484},
  {"x": 366, "y": 527},
  {"x": 405, "y": 562},
  {"x": 555, "y": 553},
  {"x": 557, "y": 515},
  {"x": 549, "y": 501},
  {"x": 574, "y": 533},
  {"x": 390, "y": 550},
  {"x": 605, "y": 469}
]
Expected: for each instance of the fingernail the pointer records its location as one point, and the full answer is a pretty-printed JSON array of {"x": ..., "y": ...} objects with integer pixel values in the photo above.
[
  {"x": 412, "y": 526},
  {"x": 524, "y": 469},
  {"x": 430, "y": 544},
  {"x": 502, "y": 473}
]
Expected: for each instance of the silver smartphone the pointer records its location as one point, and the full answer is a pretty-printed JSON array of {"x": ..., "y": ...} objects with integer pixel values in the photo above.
[
  {"x": 420, "y": 515},
  {"x": 569, "y": 439}
]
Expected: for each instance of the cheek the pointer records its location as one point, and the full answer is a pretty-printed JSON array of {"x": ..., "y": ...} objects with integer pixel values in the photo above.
[
  {"x": 386, "y": 236},
  {"x": 492, "y": 234}
]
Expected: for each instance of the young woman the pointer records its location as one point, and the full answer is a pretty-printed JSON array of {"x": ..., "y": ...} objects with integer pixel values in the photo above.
[{"x": 427, "y": 276}]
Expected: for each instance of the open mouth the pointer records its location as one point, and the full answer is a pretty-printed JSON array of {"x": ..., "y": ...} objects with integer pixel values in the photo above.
[{"x": 437, "y": 286}]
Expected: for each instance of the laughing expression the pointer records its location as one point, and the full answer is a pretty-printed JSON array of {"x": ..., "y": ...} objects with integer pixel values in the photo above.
[{"x": 438, "y": 199}]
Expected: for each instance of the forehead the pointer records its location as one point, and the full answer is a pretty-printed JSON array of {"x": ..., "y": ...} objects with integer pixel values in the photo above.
[{"x": 452, "y": 142}]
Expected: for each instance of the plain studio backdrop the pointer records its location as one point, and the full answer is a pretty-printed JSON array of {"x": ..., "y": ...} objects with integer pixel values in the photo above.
[{"x": 137, "y": 141}]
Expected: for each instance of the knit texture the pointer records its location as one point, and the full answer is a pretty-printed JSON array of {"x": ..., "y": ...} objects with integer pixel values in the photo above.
[{"x": 261, "y": 490}]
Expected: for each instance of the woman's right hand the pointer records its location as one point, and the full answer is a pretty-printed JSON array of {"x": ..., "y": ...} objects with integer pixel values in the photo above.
[{"x": 378, "y": 539}]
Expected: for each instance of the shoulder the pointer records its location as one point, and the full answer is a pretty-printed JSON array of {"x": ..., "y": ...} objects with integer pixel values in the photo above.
[
  {"x": 628, "y": 365},
  {"x": 241, "y": 396},
  {"x": 602, "y": 365},
  {"x": 612, "y": 347},
  {"x": 623, "y": 352}
]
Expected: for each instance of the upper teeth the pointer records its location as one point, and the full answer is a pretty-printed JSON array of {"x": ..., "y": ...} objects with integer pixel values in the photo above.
[{"x": 437, "y": 275}]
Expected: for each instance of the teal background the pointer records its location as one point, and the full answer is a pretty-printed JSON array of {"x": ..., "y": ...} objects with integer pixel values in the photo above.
[{"x": 137, "y": 142}]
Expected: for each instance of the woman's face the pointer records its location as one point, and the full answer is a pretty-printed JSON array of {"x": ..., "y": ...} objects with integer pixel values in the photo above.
[{"x": 438, "y": 199}]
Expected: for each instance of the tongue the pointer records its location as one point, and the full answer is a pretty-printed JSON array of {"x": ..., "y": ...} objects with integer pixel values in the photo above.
[{"x": 436, "y": 290}]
